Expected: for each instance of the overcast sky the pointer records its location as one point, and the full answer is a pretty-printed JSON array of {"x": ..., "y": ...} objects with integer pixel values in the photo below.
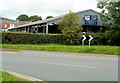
[{"x": 13, "y": 8}]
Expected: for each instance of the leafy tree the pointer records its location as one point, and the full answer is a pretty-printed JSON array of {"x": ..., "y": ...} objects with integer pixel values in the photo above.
[
  {"x": 110, "y": 14},
  {"x": 23, "y": 17},
  {"x": 49, "y": 17},
  {"x": 70, "y": 27},
  {"x": 35, "y": 18}
]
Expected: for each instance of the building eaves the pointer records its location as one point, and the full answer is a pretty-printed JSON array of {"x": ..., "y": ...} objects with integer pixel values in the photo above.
[{"x": 39, "y": 22}]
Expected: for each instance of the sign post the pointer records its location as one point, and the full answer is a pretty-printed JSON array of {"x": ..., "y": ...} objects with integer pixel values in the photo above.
[
  {"x": 90, "y": 40},
  {"x": 84, "y": 38}
]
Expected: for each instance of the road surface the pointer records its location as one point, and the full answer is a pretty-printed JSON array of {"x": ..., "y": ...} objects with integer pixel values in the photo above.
[{"x": 62, "y": 66}]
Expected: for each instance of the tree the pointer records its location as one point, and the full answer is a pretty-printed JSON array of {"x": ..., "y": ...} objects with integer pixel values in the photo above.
[
  {"x": 35, "y": 18},
  {"x": 49, "y": 17},
  {"x": 70, "y": 27},
  {"x": 110, "y": 14},
  {"x": 23, "y": 17}
]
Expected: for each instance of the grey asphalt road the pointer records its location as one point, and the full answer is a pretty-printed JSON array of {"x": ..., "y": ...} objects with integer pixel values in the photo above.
[{"x": 62, "y": 66}]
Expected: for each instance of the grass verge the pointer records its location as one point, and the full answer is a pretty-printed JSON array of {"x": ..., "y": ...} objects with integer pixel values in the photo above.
[
  {"x": 11, "y": 50},
  {"x": 111, "y": 50},
  {"x": 6, "y": 77}
]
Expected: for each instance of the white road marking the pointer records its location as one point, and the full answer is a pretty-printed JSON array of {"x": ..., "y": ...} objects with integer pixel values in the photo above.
[
  {"x": 108, "y": 55},
  {"x": 85, "y": 66},
  {"x": 11, "y": 52},
  {"x": 54, "y": 63},
  {"x": 58, "y": 63}
]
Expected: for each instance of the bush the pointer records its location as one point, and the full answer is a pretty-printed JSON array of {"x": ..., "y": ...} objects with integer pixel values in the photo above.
[
  {"x": 30, "y": 38},
  {"x": 102, "y": 39}
]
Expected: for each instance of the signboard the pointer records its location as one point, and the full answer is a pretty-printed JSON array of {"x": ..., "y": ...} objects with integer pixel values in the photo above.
[
  {"x": 83, "y": 39},
  {"x": 89, "y": 38},
  {"x": 90, "y": 20},
  {"x": 87, "y": 17}
]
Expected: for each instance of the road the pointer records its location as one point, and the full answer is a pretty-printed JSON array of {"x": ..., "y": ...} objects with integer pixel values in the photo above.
[{"x": 62, "y": 66}]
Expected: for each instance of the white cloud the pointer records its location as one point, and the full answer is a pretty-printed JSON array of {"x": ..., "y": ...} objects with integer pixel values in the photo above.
[{"x": 13, "y": 8}]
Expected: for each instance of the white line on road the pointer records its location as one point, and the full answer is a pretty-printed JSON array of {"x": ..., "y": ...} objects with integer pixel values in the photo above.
[
  {"x": 11, "y": 52},
  {"x": 54, "y": 63},
  {"x": 108, "y": 55},
  {"x": 58, "y": 63},
  {"x": 85, "y": 66}
]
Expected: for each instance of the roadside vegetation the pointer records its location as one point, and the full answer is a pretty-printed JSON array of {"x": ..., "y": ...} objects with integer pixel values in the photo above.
[
  {"x": 111, "y": 50},
  {"x": 106, "y": 41},
  {"x": 6, "y": 77},
  {"x": 10, "y": 50},
  {"x": 110, "y": 15},
  {"x": 71, "y": 28}
]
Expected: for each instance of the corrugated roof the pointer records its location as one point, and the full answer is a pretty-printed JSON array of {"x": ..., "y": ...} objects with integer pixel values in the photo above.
[{"x": 38, "y": 22}]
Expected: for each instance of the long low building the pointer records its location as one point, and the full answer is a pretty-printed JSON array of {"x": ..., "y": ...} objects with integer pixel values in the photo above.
[{"x": 90, "y": 20}]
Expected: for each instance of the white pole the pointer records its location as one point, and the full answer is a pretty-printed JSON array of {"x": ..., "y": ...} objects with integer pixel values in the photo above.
[
  {"x": 43, "y": 28},
  {"x": 28, "y": 29},
  {"x": 89, "y": 44},
  {"x": 82, "y": 43},
  {"x": 47, "y": 28}
]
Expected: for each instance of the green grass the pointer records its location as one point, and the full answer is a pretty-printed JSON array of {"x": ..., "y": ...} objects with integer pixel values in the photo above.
[
  {"x": 11, "y": 50},
  {"x": 112, "y": 50},
  {"x": 6, "y": 77}
]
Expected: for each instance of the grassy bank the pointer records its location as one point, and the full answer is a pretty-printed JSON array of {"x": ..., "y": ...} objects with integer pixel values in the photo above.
[
  {"x": 112, "y": 50},
  {"x": 6, "y": 77}
]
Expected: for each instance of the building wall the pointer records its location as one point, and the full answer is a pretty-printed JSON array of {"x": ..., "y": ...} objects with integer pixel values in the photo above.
[
  {"x": 4, "y": 24},
  {"x": 82, "y": 18},
  {"x": 89, "y": 13},
  {"x": 93, "y": 24}
]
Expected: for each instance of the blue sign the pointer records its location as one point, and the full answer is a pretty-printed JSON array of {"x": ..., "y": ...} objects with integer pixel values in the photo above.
[{"x": 90, "y": 20}]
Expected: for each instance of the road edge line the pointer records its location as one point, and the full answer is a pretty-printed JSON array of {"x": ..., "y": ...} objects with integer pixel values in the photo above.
[{"x": 29, "y": 78}]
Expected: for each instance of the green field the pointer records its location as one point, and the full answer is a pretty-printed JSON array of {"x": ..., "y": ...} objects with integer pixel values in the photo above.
[
  {"x": 111, "y": 50},
  {"x": 6, "y": 77}
]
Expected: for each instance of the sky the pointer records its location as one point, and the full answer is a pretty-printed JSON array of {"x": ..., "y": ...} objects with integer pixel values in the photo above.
[{"x": 13, "y": 8}]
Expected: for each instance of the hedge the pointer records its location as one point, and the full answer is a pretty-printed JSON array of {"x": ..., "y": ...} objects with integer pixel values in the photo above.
[
  {"x": 30, "y": 38},
  {"x": 104, "y": 39},
  {"x": 34, "y": 38},
  {"x": 98, "y": 39}
]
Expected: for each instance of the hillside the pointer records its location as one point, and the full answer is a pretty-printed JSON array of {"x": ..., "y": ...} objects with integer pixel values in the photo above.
[{"x": 3, "y": 18}]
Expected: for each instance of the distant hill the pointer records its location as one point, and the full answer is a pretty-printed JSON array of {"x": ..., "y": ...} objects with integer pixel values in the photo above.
[{"x": 2, "y": 18}]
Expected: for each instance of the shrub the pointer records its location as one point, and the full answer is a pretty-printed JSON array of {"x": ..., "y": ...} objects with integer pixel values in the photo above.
[
  {"x": 102, "y": 39},
  {"x": 30, "y": 38},
  {"x": 71, "y": 28}
]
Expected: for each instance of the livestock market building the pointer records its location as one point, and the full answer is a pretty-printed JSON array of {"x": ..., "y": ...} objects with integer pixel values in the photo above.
[{"x": 89, "y": 19}]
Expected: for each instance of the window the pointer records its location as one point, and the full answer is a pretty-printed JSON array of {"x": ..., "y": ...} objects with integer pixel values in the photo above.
[
  {"x": 5, "y": 25},
  {"x": 12, "y": 25}
]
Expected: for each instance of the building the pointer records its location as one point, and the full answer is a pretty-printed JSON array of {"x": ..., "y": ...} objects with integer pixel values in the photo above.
[
  {"x": 89, "y": 19},
  {"x": 5, "y": 24}
]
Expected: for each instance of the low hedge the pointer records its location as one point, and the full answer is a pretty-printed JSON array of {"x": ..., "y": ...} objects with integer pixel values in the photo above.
[
  {"x": 33, "y": 38},
  {"x": 98, "y": 39},
  {"x": 30, "y": 38},
  {"x": 104, "y": 39}
]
